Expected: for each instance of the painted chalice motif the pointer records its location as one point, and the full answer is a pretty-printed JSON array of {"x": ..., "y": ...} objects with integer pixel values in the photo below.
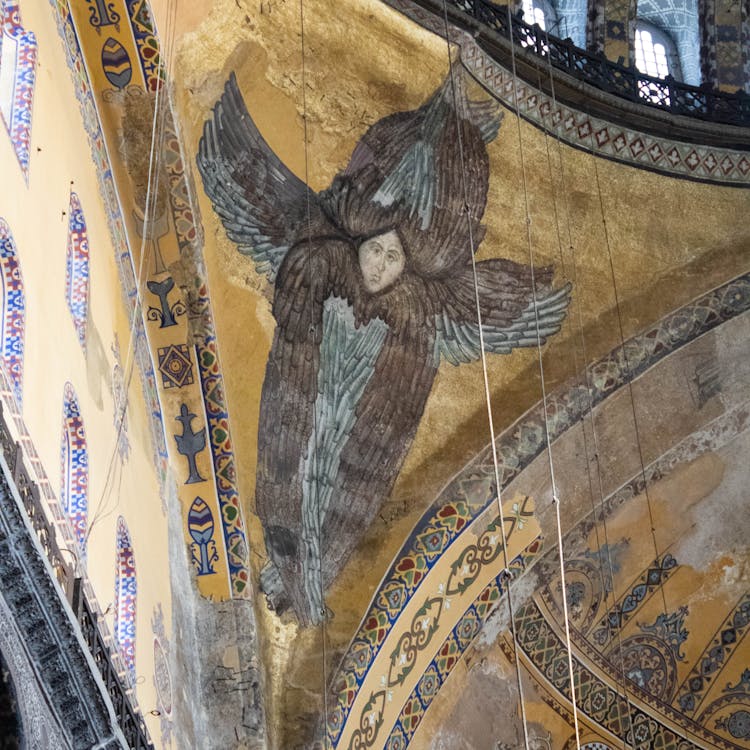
[{"x": 373, "y": 288}]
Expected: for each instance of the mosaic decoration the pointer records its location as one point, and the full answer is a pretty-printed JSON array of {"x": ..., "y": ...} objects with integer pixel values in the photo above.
[
  {"x": 705, "y": 671},
  {"x": 162, "y": 675},
  {"x": 116, "y": 64},
  {"x": 74, "y": 484},
  {"x": 451, "y": 651},
  {"x": 102, "y": 13},
  {"x": 601, "y": 137},
  {"x": 648, "y": 663},
  {"x": 393, "y": 597},
  {"x": 166, "y": 314},
  {"x": 340, "y": 411},
  {"x": 120, "y": 403},
  {"x": 175, "y": 366},
  {"x": 126, "y": 589},
  {"x": 669, "y": 628},
  {"x": 190, "y": 443},
  {"x": 470, "y": 493},
  {"x": 118, "y": 235},
  {"x": 201, "y": 527},
  {"x": 77, "y": 269},
  {"x": 650, "y": 582},
  {"x": 142, "y": 23},
  {"x": 649, "y": 724},
  {"x": 14, "y": 311},
  {"x": 18, "y": 53},
  {"x": 223, "y": 459}
]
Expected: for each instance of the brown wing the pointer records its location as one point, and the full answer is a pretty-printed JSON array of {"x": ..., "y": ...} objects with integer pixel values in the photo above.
[
  {"x": 519, "y": 308},
  {"x": 260, "y": 201},
  {"x": 307, "y": 275}
]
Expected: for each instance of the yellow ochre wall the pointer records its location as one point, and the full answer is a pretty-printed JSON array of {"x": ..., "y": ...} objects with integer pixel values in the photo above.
[{"x": 37, "y": 215}]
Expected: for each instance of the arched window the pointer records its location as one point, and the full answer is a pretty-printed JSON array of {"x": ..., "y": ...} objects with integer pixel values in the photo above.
[
  {"x": 77, "y": 269},
  {"x": 17, "y": 66},
  {"x": 14, "y": 311},
  {"x": 125, "y": 597},
  {"x": 655, "y": 55},
  {"x": 655, "y": 52},
  {"x": 75, "y": 467},
  {"x": 679, "y": 19}
]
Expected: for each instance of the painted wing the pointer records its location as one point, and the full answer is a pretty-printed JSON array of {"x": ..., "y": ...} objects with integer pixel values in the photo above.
[
  {"x": 260, "y": 202},
  {"x": 511, "y": 317}
]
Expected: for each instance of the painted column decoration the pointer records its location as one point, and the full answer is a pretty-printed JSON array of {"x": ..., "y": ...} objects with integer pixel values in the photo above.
[
  {"x": 17, "y": 71},
  {"x": 75, "y": 466},
  {"x": 14, "y": 312},
  {"x": 125, "y": 597},
  {"x": 77, "y": 269}
]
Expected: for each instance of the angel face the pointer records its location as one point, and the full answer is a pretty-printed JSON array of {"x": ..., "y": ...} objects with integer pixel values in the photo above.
[{"x": 381, "y": 260}]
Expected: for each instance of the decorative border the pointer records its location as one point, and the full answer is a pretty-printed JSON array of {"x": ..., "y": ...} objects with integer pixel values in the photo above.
[
  {"x": 19, "y": 127},
  {"x": 599, "y": 136},
  {"x": 473, "y": 490},
  {"x": 77, "y": 269},
  {"x": 118, "y": 235},
  {"x": 74, "y": 482},
  {"x": 126, "y": 592},
  {"x": 599, "y": 701},
  {"x": 14, "y": 311},
  {"x": 692, "y": 691},
  {"x": 451, "y": 651},
  {"x": 186, "y": 228}
]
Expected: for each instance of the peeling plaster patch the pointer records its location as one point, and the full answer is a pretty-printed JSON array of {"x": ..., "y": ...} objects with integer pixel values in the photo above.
[
  {"x": 720, "y": 520},
  {"x": 498, "y": 622}
]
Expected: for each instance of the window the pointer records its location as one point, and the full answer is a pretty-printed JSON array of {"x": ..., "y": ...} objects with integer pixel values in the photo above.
[
  {"x": 655, "y": 55},
  {"x": 75, "y": 467},
  {"x": 650, "y": 54},
  {"x": 541, "y": 13},
  {"x": 77, "y": 269},
  {"x": 14, "y": 312},
  {"x": 17, "y": 70},
  {"x": 125, "y": 597}
]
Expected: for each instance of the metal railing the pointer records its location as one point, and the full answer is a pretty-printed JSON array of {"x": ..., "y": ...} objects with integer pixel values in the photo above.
[
  {"x": 594, "y": 68},
  {"x": 130, "y": 721}
]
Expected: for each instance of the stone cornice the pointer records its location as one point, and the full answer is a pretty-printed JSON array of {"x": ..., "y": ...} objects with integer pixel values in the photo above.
[{"x": 64, "y": 671}]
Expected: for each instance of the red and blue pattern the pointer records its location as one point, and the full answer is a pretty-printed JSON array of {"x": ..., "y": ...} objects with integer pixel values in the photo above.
[
  {"x": 126, "y": 589},
  {"x": 18, "y": 52},
  {"x": 75, "y": 467},
  {"x": 14, "y": 311},
  {"x": 77, "y": 269}
]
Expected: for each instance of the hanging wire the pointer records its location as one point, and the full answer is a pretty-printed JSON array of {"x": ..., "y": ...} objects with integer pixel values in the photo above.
[
  {"x": 488, "y": 397},
  {"x": 622, "y": 683},
  {"x": 152, "y": 184},
  {"x": 315, "y": 465},
  {"x": 631, "y": 395},
  {"x": 555, "y": 497}
]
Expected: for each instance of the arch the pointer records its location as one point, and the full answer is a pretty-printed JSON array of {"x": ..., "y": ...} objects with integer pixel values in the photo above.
[
  {"x": 679, "y": 20},
  {"x": 18, "y": 51},
  {"x": 655, "y": 51},
  {"x": 14, "y": 312},
  {"x": 75, "y": 466},
  {"x": 125, "y": 596},
  {"x": 77, "y": 269}
]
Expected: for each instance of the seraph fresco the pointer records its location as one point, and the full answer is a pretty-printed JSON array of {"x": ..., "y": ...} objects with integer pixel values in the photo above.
[{"x": 373, "y": 288}]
